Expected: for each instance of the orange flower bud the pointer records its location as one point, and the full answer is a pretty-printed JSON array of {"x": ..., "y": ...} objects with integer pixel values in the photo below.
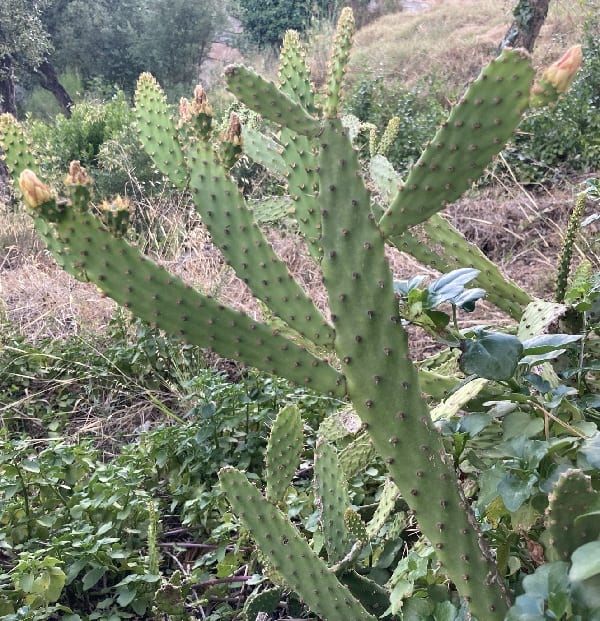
[
  {"x": 77, "y": 174},
  {"x": 185, "y": 112},
  {"x": 34, "y": 191},
  {"x": 562, "y": 73}
]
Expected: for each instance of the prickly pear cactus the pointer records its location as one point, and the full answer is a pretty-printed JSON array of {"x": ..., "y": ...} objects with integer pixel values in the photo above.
[
  {"x": 283, "y": 452},
  {"x": 572, "y": 515},
  {"x": 361, "y": 353}
]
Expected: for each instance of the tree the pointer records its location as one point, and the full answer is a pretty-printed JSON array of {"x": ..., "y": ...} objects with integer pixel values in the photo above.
[
  {"x": 115, "y": 40},
  {"x": 529, "y": 16},
  {"x": 24, "y": 45},
  {"x": 175, "y": 37},
  {"x": 265, "y": 21}
]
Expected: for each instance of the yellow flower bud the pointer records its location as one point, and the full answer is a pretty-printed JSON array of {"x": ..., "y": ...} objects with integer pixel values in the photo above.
[
  {"x": 562, "y": 73},
  {"x": 34, "y": 191}
]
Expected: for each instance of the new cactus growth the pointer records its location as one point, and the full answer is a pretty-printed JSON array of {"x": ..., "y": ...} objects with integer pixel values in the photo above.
[
  {"x": 290, "y": 554},
  {"x": 361, "y": 355},
  {"x": 572, "y": 515},
  {"x": 283, "y": 452}
]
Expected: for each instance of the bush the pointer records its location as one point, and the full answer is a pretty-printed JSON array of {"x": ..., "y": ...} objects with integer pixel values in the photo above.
[
  {"x": 564, "y": 138},
  {"x": 101, "y": 136},
  {"x": 418, "y": 109}
]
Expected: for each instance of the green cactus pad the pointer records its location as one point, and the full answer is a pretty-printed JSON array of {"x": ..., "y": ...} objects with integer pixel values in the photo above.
[
  {"x": 372, "y": 596},
  {"x": 443, "y": 248},
  {"x": 383, "y": 383},
  {"x": 538, "y": 316},
  {"x": 338, "y": 62},
  {"x": 331, "y": 496},
  {"x": 294, "y": 73},
  {"x": 289, "y": 553},
  {"x": 264, "y": 151},
  {"x": 261, "y": 601},
  {"x": 453, "y": 404},
  {"x": 17, "y": 152},
  {"x": 458, "y": 252},
  {"x": 476, "y": 130},
  {"x": 158, "y": 132},
  {"x": 568, "y": 526},
  {"x": 357, "y": 455},
  {"x": 303, "y": 187},
  {"x": 265, "y": 98},
  {"x": 18, "y": 155},
  {"x": 386, "y": 179},
  {"x": 385, "y": 508},
  {"x": 232, "y": 228},
  {"x": 355, "y": 526},
  {"x": 283, "y": 452},
  {"x": 90, "y": 252}
]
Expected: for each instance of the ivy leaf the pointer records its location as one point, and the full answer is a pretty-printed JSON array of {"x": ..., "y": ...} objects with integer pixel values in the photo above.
[{"x": 492, "y": 355}]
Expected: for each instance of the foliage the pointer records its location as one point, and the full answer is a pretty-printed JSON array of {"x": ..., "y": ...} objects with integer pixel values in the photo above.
[
  {"x": 265, "y": 23},
  {"x": 418, "y": 109},
  {"x": 564, "y": 137},
  {"x": 101, "y": 136},
  {"x": 23, "y": 37},
  {"x": 114, "y": 41},
  {"x": 75, "y": 519}
]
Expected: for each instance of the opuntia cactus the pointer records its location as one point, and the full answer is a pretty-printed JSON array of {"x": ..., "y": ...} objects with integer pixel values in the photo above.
[{"x": 361, "y": 355}]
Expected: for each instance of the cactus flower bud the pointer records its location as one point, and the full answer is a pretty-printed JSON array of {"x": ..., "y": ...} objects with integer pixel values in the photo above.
[
  {"x": 116, "y": 215},
  {"x": 34, "y": 191},
  {"x": 557, "y": 78},
  {"x": 77, "y": 174},
  {"x": 562, "y": 73},
  {"x": 200, "y": 104},
  {"x": 185, "y": 112}
]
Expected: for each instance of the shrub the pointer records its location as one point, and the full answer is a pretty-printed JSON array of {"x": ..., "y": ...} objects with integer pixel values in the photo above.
[
  {"x": 99, "y": 135},
  {"x": 418, "y": 109},
  {"x": 564, "y": 138}
]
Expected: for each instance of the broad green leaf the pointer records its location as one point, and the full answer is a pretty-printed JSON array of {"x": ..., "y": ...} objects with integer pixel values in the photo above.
[
  {"x": 548, "y": 342},
  {"x": 586, "y": 562},
  {"x": 450, "y": 285},
  {"x": 515, "y": 490},
  {"x": 404, "y": 287},
  {"x": 492, "y": 355},
  {"x": 92, "y": 577},
  {"x": 56, "y": 584},
  {"x": 589, "y": 453},
  {"x": 31, "y": 465}
]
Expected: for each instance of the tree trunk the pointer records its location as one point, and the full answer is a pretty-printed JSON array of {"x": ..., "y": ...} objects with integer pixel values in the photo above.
[
  {"x": 7, "y": 86},
  {"x": 49, "y": 80},
  {"x": 529, "y": 16}
]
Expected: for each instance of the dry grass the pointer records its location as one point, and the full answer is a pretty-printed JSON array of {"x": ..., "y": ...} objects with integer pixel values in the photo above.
[
  {"x": 519, "y": 230},
  {"x": 454, "y": 38}
]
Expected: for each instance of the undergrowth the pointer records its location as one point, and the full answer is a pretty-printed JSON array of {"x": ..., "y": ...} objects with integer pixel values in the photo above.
[{"x": 78, "y": 498}]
